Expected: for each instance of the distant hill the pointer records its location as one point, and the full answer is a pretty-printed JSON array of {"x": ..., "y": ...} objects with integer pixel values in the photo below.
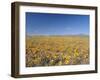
[{"x": 79, "y": 35}]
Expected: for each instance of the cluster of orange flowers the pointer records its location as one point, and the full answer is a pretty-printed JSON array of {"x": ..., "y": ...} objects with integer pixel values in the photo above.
[{"x": 56, "y": 50}]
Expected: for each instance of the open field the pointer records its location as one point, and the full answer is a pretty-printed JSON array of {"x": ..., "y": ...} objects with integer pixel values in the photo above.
[{"x": 56, "y": 50}]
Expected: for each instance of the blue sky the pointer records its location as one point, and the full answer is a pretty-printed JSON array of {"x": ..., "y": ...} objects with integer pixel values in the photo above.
[{"x": 56, "y": 24}]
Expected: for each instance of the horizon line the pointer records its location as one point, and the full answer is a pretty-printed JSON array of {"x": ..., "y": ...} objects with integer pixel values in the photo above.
[{"x": 56, "y": 35}]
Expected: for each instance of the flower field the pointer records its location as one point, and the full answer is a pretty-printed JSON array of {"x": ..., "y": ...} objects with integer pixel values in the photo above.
[{"x": 56, "y": 50}]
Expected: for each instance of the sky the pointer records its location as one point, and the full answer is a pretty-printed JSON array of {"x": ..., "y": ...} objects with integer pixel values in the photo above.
[{"x": 56, "y": 24}]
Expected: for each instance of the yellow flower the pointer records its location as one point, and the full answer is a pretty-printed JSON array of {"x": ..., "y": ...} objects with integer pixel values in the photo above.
[
  {"x": 66, "y": 61},
  {"x": 76, "y": 54},
  {"x": 59, "y": 63}
]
